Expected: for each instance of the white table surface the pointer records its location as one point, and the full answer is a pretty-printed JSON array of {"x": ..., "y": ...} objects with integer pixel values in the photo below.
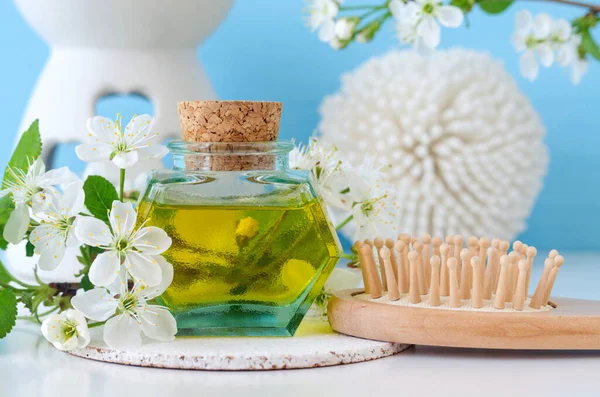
[{"x": 29, "y": 366}]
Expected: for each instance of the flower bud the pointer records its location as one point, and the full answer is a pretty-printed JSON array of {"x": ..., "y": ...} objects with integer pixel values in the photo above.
[
  {"x": 344, "y": 28},
  {"x": 367, "y": 33}
]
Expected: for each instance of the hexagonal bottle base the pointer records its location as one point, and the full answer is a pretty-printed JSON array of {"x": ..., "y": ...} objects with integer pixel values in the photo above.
[{"x": 242, "y": 320}]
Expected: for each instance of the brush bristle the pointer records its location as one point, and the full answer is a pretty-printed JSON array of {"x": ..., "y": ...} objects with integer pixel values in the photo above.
[{"x": 483, "y": 273}]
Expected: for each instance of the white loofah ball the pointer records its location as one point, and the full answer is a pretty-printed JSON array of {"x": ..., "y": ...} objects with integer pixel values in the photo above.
[{"x": 465, "y": 145}]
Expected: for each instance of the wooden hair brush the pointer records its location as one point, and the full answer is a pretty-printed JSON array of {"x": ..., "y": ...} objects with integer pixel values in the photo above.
[{"x": 431, "y": 293}]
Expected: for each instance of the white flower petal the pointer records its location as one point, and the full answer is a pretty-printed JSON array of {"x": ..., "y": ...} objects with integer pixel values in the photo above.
[
  {"x": 562, "y": 29},
  {"x": 152, "y": 152},
  {"x": 523, "y": 20},
  {"x": 546, "y": 54},
  {"x": 59, "y": 176},
  {"x": 152, "y": 240},
  {"x": 40, "y": 235},
  {"x": 51, "y": 327},
  {"x": 37, "y": 168},
  {"x": 327, "y": 31},
  {"x": 519, "y": 41},
  {"x": 122, "y": 218},
  {"x": 143, "y": 268},
  {"x": 122, "y": 332},
  {"x": 332, "y": 9},
  {"x": 90, "y": 152},
  {"x": 528, "y": 65},
  {"x": 542, "y": 25},
  {"x": 429, "y": 31},
  {"x": 101, "y": 128},
  {"x": 450, "y": 16},
  {"x": 158, "y": 323},
  {"x": 96, "y": 304},
  {"x": 17, "y": 224},
  {"x": 579, "y": 69},
  {"x": 342, "y": 279},
  {"x": 104, "y": 269},
  {"x": 52, "y": 253},
  {"x": 83, "y": 338},
  {"x": 120, "y": 285},
  {"x": 125, "y": 160},
  {"x": 396, "y": 8},
  {"x": 43, "y": 201},
  {"x": 411, "y": 13},
  {"x": 344, "y": 29},
  {"x": 74, "y": 315},
  {"x": 72, "y": 240},
  {"x": 72, "y": 199},
  {"x": 139, "y": 129},
  {"x": 92, "y": 231},
  {"x": 564, "y": 55},
  {"x": 166, "y": 278}
]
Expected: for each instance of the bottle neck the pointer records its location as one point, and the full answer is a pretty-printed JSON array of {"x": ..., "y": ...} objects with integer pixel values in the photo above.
[
  {"x": 210, "y": 162},
  {"x": 230, "y": 156}
]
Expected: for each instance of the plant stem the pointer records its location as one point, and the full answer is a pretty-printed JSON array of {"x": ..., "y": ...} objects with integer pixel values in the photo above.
[
  {"x": 14, "y": 279},
  {"x": 592, "y": 7},
  {"x": 94, "y": 325},
  {"x": 344, "y": 222},
  {"x": 121, "y": 184}
]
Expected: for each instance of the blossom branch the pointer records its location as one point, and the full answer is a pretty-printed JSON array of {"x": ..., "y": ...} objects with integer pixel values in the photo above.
[
  {"x": 418, "y": 24},
  {"x": 591, "y": 7}
]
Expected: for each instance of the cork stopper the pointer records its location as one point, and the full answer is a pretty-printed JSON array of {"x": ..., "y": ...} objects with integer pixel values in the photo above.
[{"x": 229, "y": 121}]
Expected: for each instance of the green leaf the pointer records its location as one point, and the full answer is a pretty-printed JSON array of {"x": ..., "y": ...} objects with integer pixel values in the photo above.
[
  {"x": 99, "y": 196},
  {"x": 5, "y": 277},
  {"x": 28, "y": 149},
  {"x": 8, "y": 312},
  {"x": 29, "y": 249},
  {"x": 589, "y": 45},
  {"x": 86, "y": 284},
  {"x": 464, "y": 5},
  {"x": 494, "y": 6}
]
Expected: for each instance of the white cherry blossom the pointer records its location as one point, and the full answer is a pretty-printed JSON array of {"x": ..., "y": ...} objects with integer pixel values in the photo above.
[
  {"x": 138, "y": 250},
  {"x": 23, "y": 186},
  {"x": 57, "y": 213},
  {"x": 322, "y": 18},
  {"x": 67, "y": 330},
  {"x": 545, "y": 40},
  {"x": 375, "y": 208},
  {"x": 108, "y": 141},
  {"x": 417, "y": 21},
  {"x": 302, "y": 157},
  {"x": 127, "y": 310},
  {"x": 327, "y": 169}
]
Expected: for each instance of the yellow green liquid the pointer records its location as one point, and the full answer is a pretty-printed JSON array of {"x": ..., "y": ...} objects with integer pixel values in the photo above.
[{"x": 244, "y": 270}]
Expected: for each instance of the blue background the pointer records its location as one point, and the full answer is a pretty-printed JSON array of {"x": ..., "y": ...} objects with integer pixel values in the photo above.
[{"x": 263, "y": 51}]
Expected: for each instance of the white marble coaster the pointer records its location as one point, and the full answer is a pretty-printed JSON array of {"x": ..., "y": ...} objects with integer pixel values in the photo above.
[{"x": 314, "y": 345}]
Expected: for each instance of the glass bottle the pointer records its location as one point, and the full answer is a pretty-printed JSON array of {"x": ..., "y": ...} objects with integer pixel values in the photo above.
[{"x": 252, "y": 243}]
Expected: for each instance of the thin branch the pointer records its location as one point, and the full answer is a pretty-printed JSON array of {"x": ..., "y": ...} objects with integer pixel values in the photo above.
[{"x": 592, "y": 7}]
